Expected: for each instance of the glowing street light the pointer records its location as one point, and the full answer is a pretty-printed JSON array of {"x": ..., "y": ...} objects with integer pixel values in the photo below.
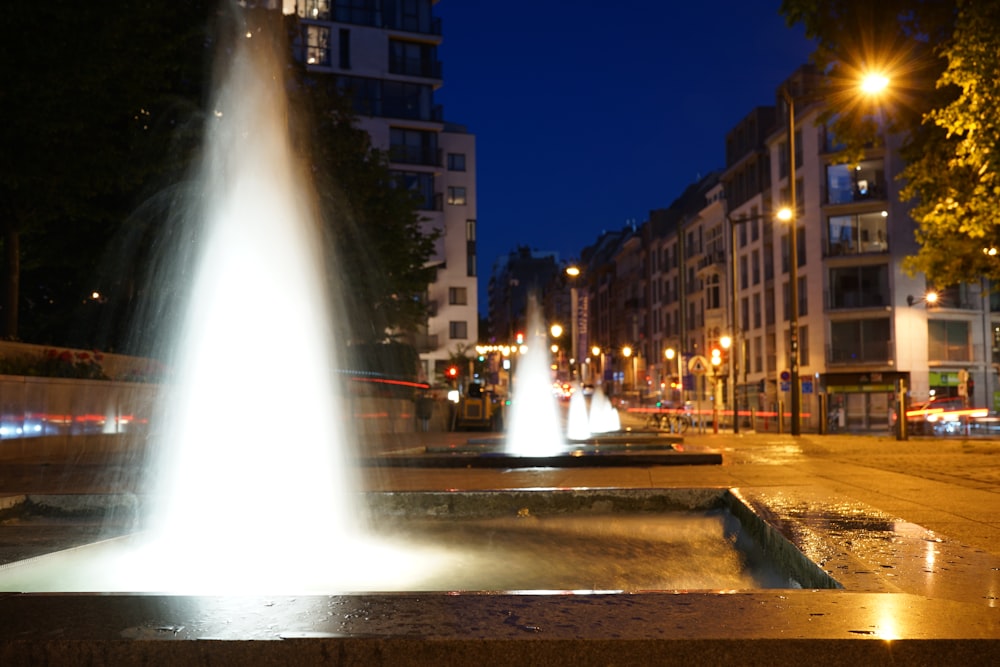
[
  {"x": 556, "y": 330},
  {"x": 874, "y": 83}
]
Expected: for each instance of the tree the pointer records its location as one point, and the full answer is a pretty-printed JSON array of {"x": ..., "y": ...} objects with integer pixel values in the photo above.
[
  {"x": 942, "y": 57},
  {"x": 956, "y": 182},
  {"x": 96, "y": 102},
  {"x": 104, "y": 111},
  {"x": 380, "y": 248}
]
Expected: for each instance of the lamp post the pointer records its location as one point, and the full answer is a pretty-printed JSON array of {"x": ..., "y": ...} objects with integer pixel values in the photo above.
[
  {"x": 790, "y": 215},
  {"x": 726, "y": 342},
  {"x": 574, "y": 312},
  {"x": 670, "y": 353},
  {"x": 627, "y": 353}
]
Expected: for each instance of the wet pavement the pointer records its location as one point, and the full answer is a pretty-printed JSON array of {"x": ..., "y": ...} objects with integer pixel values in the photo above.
[{"x": 911, "y": 529}]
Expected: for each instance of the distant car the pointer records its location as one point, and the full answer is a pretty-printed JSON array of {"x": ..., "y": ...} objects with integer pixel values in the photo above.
[{"x": 930, "y": 416}]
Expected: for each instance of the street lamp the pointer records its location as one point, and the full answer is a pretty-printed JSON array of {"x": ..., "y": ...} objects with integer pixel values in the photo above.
[
  {"x": 627, "y": 353},
  {"x": 670, "y": 353},
  {"x": 574, "y": 312},
  {"x": 789, "y": 214}
]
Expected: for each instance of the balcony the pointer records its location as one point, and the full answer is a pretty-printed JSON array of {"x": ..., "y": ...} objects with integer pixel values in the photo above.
[
  {"x": 868, "y": 352},
  {"x": 425, "y": 342},
  {"x": 713, "y": 261},
  {"x": 420, "y": 67},
  {"x": 403, "y": 154}
]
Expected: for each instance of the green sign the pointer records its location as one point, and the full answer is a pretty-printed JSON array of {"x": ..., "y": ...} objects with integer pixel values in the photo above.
[{"x": 943, "y": 379}]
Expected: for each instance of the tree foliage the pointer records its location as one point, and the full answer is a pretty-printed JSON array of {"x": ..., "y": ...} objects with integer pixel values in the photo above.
[
  {"x": 942, "y": 58},
  {"x": 104, "y": 112},
  {"x": 97, "y": 101},
  {"x": 955, "y": 182},
  {"x": 380, "y": 248}
]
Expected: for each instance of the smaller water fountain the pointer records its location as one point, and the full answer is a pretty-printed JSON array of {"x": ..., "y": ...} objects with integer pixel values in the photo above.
[
  {"x": 603, "y": 417},
  {"x": 535, "y": 424},
  {"x": 578, "y": 420}
]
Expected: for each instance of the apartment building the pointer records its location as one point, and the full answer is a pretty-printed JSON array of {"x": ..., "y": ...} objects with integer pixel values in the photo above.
[
  {"x": 717, "y": 263},
  {"x": 383, "y": 55}
]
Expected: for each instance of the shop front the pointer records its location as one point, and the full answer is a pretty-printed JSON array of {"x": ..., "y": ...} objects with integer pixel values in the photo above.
[{"x": 862, "y": 402}]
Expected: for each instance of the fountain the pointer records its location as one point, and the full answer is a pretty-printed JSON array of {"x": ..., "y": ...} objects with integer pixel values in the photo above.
[
  {"x": 535, "y": 427},
  {"x": 222, "y": 482}
]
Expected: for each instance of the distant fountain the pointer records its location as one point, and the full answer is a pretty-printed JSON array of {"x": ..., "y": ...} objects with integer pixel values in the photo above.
[
  {"x": 603, "y": 415},
  {"x": 535, "y": 426},
  {"x": 578, "y": 419}
]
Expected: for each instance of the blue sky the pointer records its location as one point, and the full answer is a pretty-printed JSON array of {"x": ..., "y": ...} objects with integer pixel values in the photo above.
[{"x": 590, "y": 114}]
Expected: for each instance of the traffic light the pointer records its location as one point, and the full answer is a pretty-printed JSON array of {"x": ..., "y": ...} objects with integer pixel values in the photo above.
[
  {"x": 716, "y": 358},
  {"x": 451, "y": 374},
  {"x": 519, "y": 338}
]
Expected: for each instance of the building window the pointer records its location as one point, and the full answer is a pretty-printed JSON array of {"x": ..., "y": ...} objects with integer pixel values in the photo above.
[
  {"x": 758, "y": 355},
  {"x": 412, "y": 101},
  {"x": 470, "y": 258},
  {"x": 859, "y": 233},
  {"x": 470, "y": 230},
  {"x": 413, "y": 146},
  {"x": 803, "y": 296},
  {"x": 745, "y": 314},
  {"x": 344, "y": 48},
  {"x": 458, "y": 296},
  {"x": 456, "y": 196},
  {"x": 948, "y": 340},
  {"x": 317, "y": 45},
  {"x": 456, "y": 161},
  {"x": 413, "y": 59},
  {"x": 419, "y": 184},
  {"x": 713, "y": 296},
  {"x": 755, "y": 267},
  {"x": 315, "y": 9},
  {"x": 743, "y": 272},
  {"x": 756, "y": 311},
  {"x": 859, "y": 341},
  {"x": 458, "y": 330},
  {"x": 859, "y": 286},
  {"x": 804, "y": 346},
  {"x": 846, "y": 183}
]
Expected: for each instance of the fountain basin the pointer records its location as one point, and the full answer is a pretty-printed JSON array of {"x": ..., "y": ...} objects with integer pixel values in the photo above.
[
  {"x": 606, "y": 450},
  {"x": 620, "y": 540},
  {"x": 562, "y": 628}
]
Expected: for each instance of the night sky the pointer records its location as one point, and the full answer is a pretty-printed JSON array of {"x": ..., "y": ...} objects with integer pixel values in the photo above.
[{"x": 589, "y": 114}]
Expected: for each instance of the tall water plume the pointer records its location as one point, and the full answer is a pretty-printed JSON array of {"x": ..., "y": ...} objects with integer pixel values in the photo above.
[{"x": 252, "y": 476}]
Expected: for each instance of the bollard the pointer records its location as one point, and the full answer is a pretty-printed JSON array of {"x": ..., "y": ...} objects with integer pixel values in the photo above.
[
  {"x": 824, "y": 418},
  {"x": 781, "y": 416},
  {"x": 753, "y": 419}
]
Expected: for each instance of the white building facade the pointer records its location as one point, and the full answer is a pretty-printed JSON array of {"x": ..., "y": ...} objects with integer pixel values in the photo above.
[{"x": 383, "y": 55}]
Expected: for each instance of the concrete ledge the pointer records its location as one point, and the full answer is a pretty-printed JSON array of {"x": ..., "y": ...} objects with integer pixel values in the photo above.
[
  {"x": 786, "y": 627},
  {"x": 581, "y": 459}
]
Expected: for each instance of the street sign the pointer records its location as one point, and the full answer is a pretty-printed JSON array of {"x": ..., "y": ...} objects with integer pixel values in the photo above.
[
  {"x": 785, "y": 376},
  {"x": 698, "y": 365}
]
